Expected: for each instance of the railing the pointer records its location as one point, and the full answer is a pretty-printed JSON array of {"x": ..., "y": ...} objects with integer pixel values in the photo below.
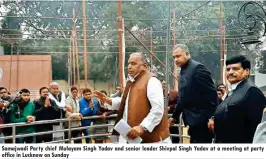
[{"x": 69, "y": 129}]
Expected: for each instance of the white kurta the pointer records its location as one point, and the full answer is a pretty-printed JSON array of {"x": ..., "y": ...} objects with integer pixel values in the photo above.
[
  {"x": 61, "y": 105},
  {"x": 155, "y": 96}
]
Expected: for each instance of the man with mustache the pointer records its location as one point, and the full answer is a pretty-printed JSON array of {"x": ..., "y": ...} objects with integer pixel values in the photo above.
[
  {"x": 197, "y": 97},
  {"x": 237, "y": 117},
  {"x": 45, "y": 109},
  {"x": 142, "y": 104}
]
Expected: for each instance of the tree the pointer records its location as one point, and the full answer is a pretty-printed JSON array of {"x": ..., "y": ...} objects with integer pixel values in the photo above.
[{"x": 197, "y": 26}]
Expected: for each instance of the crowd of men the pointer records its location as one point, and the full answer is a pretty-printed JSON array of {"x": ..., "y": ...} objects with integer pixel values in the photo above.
[
  {"x": 52, "y": 104},
  {"x": 230, "y": 113}
]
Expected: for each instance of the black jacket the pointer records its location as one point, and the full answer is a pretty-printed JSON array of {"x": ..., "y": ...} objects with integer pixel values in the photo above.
[
  {"x": 42, "y": 113},
  {"x": 197, "y": 95},
  {"x": 238, "y": 116}
]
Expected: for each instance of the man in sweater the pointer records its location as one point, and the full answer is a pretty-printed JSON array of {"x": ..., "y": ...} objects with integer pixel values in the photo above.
[
  {"x": 74, "y": 115},
  {"x": 45, "y": 109},
  {"x": 142, "y": 104},
  {"x": 22, "y": 111}
]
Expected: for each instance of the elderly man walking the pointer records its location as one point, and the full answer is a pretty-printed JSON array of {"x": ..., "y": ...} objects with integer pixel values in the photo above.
[{"x": 142, "y": 104}]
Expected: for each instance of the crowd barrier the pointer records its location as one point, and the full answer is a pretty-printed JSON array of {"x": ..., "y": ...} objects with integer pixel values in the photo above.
[{"x": 181, "y": 127}]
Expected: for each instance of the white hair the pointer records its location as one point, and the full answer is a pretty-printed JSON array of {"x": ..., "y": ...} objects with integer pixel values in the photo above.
[
  {"x": 54, "y": 84},
  {"x": 142, "y": 56}
]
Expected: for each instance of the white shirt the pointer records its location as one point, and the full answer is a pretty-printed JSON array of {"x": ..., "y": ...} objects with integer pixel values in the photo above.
[
  {"x": 224, "y": 96},
  {"x": 232, "y": 87},
  {"x": 155, "y": 96},
  {"x": 61, "y": 104}
]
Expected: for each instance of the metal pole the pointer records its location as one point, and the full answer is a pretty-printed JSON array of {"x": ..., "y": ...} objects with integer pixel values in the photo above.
[
  {"x": 224, "y": 58},
  {"x": 166, "y": 56},
  {"x": 17, "y": 71},
  {"x": 151, "y": 47},
  {"x": 85, "y": 43},
  {"x": 73, "y": 56},
  {"x": 10, "y": 69},
  {"x": 180, "y": 129},
  {"x": 120, "y": 32},
  {"x": 14, "y": 134},
  {"x": 70, "y": 64},
  {"x": 76, "y": 51},
  {"x": 174, "y": 37},
  {"x": 221, "y": 43},
  {"x": 146, "y": 48},
  {"x": 73, "y": 47},
  {"x": 69, "y": 130}
]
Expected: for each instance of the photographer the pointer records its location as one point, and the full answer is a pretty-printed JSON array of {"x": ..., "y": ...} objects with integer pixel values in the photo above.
[
  {"x": 5, "y": 101},
  {"x": 22, "y": 110}
]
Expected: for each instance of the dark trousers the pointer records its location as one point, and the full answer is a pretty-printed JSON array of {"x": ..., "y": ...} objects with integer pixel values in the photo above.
[
  {"x": 200, "y": 134},
  {"x": 174, "y": 130},
  {"x": 44, "y": 138},
  {"x": 74, "y": 134},
  {"x": 7, "y": 132},
  {"x": 30, "y": 139},
  {"x": 87, "y": 132}
]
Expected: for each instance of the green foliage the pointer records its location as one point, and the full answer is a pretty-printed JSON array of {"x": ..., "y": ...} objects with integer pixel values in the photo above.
[{"x": 198, "y": 28}]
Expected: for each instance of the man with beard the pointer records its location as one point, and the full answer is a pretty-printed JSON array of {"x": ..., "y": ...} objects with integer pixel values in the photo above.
[
  {"x": 22, "y": 110},
  {"x": 5, "y": 101},
  {"x": 45, "y": 109}
]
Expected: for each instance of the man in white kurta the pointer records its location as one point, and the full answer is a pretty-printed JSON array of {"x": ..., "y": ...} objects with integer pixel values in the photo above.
[{"x": 156, "y": 99}]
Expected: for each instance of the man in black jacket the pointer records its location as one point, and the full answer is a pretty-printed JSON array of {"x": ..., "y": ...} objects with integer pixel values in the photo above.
[
  {"x": 5, "y": 101},
  {"x": 237, "y": 117},
  {"x": 197, "y": 96},
  {"x": 45, "y": 109}
]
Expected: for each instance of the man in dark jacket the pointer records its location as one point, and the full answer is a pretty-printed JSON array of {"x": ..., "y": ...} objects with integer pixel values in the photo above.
[
  {"x": 197, "y": 96},
  {"x": 45, "y": 109},
  {"x": 5, "y": 101},
  {"x": 237, "y": 117}
]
